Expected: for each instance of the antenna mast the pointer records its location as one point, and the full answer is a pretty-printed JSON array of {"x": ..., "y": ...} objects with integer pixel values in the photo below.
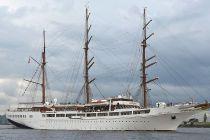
[
  {"x": 43, "y": 84},
  {"x": 144, "y": 64},
  {"x": 87, "y": 63}
]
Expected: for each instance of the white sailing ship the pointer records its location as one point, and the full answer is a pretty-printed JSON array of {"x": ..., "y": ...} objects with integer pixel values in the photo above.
[{"x": 117, "y": 113}]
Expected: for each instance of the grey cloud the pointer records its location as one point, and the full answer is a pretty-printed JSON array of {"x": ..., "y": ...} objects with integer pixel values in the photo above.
[{"x": 181, "y": 39}]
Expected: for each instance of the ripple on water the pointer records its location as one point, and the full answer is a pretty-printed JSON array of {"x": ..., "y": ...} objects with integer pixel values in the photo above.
[{"x": 9, "y": 133}]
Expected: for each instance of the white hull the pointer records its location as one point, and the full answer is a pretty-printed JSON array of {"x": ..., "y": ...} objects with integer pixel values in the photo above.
[{"x": 157, "y": 119}]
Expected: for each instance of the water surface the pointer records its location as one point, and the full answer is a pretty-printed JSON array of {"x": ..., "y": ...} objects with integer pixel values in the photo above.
[{"x": 9, "y": 133}]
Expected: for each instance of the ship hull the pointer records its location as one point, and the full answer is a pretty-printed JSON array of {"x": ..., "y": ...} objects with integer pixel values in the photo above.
[
  {"x": 162, "y": 122},
  {"x": 19, "y": 125}
]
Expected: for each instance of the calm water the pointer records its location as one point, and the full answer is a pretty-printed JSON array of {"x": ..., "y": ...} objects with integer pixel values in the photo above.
[{"x": 8, "y": 133}]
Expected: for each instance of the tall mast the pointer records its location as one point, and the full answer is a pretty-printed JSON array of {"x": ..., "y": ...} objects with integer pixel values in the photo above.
[
  {"x": 144, "y": 45},
  {"x": 43, "y": 70},
  {"x": 144, "y": 64},
  {"x": 87, "y": 63}
]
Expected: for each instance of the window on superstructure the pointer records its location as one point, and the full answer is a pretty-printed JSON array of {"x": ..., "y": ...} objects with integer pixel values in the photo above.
[
  {"x": 137, "y": 112},
  {"x": 102, "y": 114},
  {"x": 114, "y": 114},
  {"x": 70, "y": 115},
  {"x": 141, "y": 111},
  {"x": 50, "y": 115},
  {"x": 36, "y": 109},
  {"x": 126, "y": 113},
  {"x": 144, "y": 111},
  {"x": 147, "y": 111},
  {"x": 83, "y": 115},
  {"x": 91, "y": 114},
  {"x": 30, "y": 116},
  {"x": 60, "y": 115}
]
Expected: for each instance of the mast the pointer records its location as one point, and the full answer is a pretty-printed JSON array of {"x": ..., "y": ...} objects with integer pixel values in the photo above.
[
  {"x": 43, "y": 72},
  {"x": 43, "y": 84},
  {"x": 87, "y": 63},
  {"x": 144, "y": 64},
  {"x": 144, "y": 45}
]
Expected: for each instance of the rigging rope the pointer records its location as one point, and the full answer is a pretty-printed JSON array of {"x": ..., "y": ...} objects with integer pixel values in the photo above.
[
  {"x": 31, "y": 80},
  {"x": 98, "y": 89}
]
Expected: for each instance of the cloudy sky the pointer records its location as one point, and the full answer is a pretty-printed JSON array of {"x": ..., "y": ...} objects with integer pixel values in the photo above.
[{"x": 181, "y": 43}]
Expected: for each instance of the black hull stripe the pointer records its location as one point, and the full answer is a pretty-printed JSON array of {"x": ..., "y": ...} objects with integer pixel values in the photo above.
[{"x": 18, "y": 124}]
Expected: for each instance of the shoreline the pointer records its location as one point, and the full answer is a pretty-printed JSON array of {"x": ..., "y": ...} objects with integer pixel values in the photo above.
[{"x": 196, "y": 125}]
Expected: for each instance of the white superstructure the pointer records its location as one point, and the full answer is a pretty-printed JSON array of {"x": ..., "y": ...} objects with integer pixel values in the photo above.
[{"x": 119, "y": 114}]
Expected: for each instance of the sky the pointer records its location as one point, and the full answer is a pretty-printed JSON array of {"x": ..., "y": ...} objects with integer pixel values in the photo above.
[{"x": 181, "y": 44}]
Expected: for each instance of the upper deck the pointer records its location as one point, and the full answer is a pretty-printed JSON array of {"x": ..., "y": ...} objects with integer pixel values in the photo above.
[{"x": 109, "y": 104}]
